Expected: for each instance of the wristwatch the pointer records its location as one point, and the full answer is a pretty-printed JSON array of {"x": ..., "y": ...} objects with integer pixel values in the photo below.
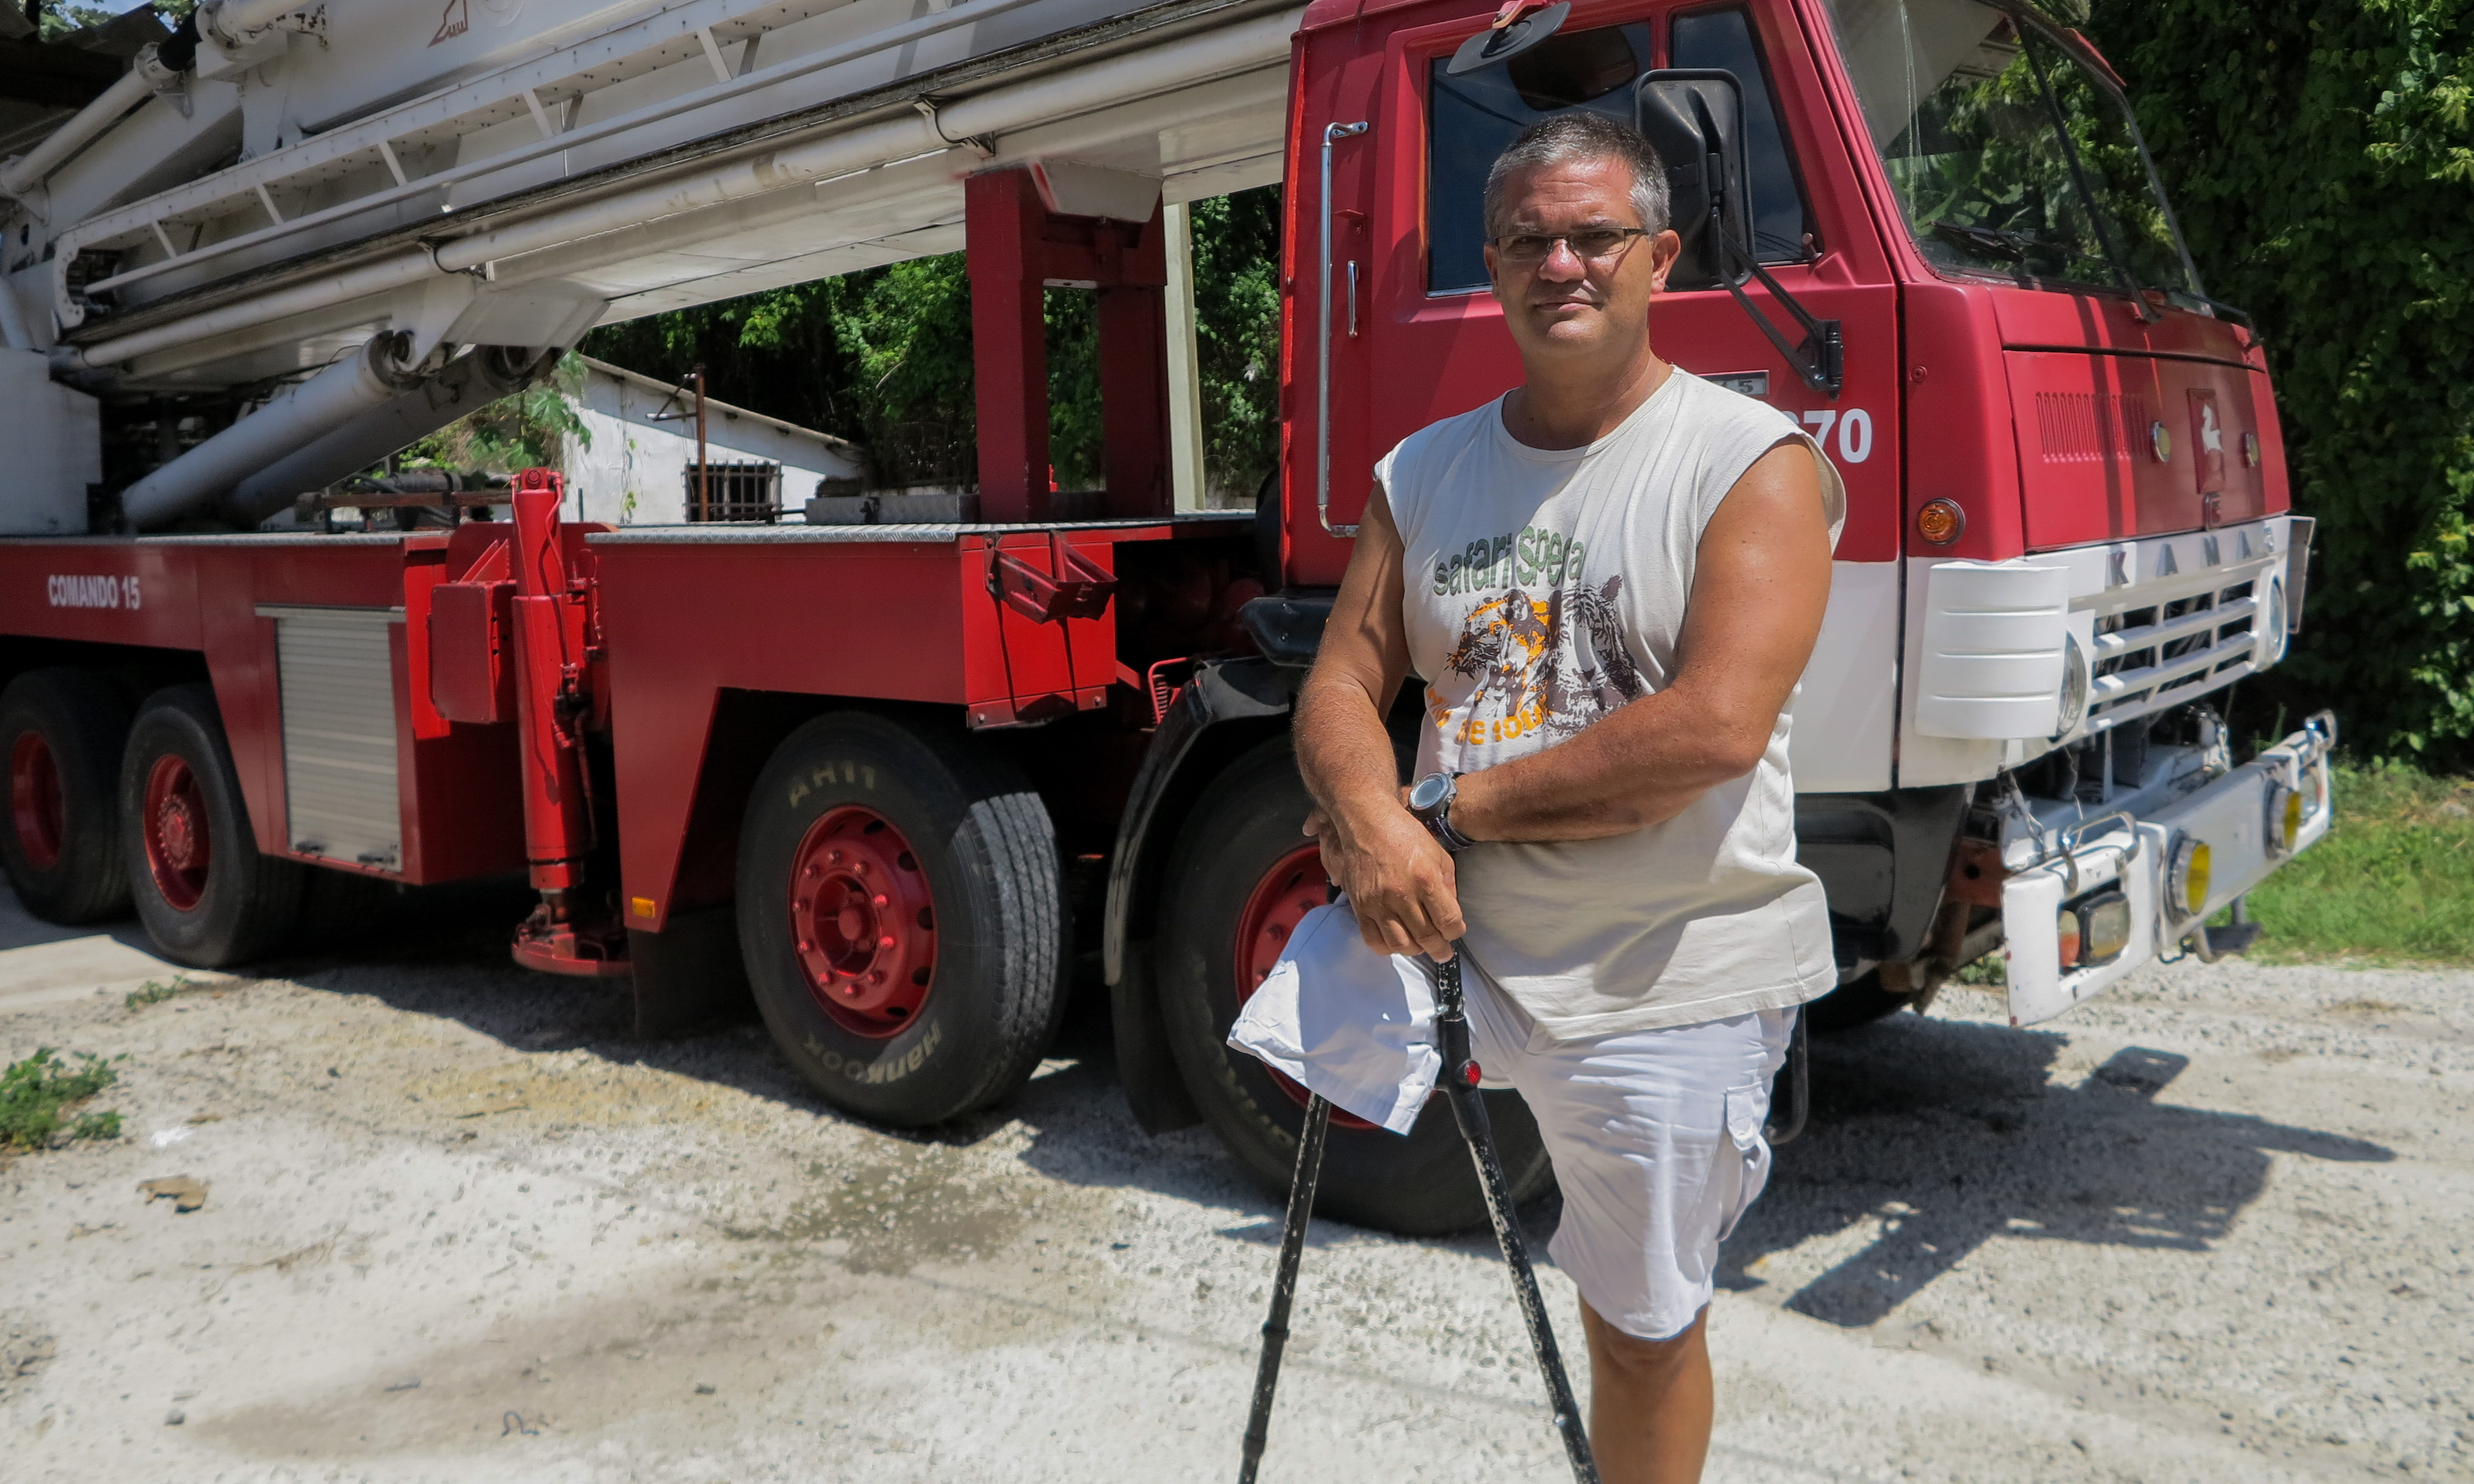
[{"x": 1430, "y": 800}]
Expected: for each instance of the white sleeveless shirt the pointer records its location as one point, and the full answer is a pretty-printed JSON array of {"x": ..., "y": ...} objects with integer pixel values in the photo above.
[{"x": 1544, "y": 588}]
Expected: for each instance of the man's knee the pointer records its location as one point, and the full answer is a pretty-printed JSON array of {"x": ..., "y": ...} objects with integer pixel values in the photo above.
[{"x": 1648, "y": 1360}]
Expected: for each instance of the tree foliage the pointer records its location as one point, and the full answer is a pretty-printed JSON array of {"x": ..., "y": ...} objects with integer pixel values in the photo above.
[
  {"x": 2322, "y": 158},
  {"x": 530, "y": 429},
  {"x": 61, "y": 21},
  {"x": 882, "y": 357}
]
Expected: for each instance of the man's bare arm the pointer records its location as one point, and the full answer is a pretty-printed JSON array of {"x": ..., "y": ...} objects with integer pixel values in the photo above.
[
  {"x": 1398, "y": 880},
  {"x": 1761, "y": 582}
]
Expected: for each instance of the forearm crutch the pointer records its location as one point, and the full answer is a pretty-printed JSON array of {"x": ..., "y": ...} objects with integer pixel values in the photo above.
[{"x": 1459, "y": 1081}]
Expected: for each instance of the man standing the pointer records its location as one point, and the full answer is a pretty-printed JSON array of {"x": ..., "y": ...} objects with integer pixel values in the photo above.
[{"x": 1611, "y": 580}]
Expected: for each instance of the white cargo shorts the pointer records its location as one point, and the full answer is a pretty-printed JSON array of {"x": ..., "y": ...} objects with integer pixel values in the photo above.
[{"x": 1657, "y": 1141}]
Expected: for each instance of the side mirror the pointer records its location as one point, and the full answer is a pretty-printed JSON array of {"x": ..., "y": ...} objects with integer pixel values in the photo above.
[{"x": 1694, "y": 118}]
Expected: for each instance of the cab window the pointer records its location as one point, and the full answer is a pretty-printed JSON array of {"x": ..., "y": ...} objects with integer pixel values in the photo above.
[
  {"x": 1474, "y": 117},
  {"x": 1723, "y": 40}
]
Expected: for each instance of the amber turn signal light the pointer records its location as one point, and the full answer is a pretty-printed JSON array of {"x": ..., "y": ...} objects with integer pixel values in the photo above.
[{"x": 1940, "y": 522}]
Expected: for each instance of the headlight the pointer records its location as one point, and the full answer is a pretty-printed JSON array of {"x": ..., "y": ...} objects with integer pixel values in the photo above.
[
  {"x": 2283, "y": 820},
  {"x": 2094, "y": 930},
  {"x": 2074, "y": 699},
  {"x": 2273, "y": 618},
  {"x": 2186, "y": 878}
]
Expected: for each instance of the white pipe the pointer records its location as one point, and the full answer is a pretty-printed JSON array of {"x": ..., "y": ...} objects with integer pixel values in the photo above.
[
  {"x": 1127, "y": 78},
  {"x": 685, "y": 230},
  {"x": 468, "y": 382},
  {"x": 326, "y": 401},
  {"x": 385, "y": 274},
  {"x": 574, "y": 138},
  {"x": 1249, "y": 45},
  {"x": 30, "y": 169}
]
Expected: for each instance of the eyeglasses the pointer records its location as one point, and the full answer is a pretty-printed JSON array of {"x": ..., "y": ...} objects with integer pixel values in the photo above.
[{"x": 1594, "y": 244}]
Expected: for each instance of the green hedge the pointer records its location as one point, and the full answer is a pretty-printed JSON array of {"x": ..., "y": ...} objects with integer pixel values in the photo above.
[{"x": 2320, "y": 154}]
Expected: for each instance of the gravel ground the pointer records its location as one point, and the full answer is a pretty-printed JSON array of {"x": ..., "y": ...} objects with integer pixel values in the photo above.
[{"x": 459, "y": 1227}]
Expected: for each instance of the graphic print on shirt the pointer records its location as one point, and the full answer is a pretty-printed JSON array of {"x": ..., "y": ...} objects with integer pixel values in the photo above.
[{"x": 1542, "y": 651}]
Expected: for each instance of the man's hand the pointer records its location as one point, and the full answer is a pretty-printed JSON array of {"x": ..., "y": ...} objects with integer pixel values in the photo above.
[{"x": 1401, "y": 883}]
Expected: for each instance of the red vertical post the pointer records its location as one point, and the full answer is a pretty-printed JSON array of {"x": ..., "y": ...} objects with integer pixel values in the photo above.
[
  {"x": 1003, "y": 221},
  {"x": 557, "y": 822},
  {"x": 1132, "y": 315}
]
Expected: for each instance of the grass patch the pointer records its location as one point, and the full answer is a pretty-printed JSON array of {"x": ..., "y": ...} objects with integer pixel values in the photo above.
[
  {"x": 36, "y": 1095},
  {"x": 154, "y": 991},
  {"x": 2393, "y": 882}
]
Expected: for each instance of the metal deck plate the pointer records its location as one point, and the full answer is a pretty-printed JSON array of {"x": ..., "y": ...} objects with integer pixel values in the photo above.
[{"x": 719, "y": 535}]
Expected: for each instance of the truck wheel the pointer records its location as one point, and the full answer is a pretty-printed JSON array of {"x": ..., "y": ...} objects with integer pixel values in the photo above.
[
  {"x": 1240, "y": 877},
  {"x": 1859, "y": 1002},
  {"x": 206, "y": 896},
  {"x": 61, "y": 731},
  {"x": 902, "y": 915}
]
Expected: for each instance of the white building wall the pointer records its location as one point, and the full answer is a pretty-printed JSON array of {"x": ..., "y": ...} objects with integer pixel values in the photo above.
[{"x": 634, "y": 471}]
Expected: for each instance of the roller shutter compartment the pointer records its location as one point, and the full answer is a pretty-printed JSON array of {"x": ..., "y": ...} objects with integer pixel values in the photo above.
[{"x": 341, "y": 798}]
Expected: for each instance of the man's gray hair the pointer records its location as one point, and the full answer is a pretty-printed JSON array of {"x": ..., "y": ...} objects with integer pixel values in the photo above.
[{"x": 1562, "y": 139}]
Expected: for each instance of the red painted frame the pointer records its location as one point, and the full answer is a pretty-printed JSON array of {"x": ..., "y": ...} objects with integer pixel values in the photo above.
[{"x": 679, "y": 623}]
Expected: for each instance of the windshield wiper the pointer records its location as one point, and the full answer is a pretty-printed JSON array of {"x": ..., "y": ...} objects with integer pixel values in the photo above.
[
  {"x": 2011, "y": 246},
  {"x": 2096, "y": 218}
]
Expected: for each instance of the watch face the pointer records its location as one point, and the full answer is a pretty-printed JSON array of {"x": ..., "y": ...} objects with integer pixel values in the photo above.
[{"x": 1429, "y": 792}]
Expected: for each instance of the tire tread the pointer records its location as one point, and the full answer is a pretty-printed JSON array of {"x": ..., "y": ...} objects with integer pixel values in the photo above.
[{"x": 92, "y": 719}]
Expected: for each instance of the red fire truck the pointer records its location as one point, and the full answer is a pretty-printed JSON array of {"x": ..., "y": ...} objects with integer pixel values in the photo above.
[{"x": 894, "y": 770}]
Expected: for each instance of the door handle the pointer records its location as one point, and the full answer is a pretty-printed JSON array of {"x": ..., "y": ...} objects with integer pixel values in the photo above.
[{"x": 1332, "y": 133}]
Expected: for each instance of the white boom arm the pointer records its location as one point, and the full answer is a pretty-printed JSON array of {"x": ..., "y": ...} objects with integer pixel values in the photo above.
[
  {"x": 366, "y": 185},
  {"x": 630, "y": 158}
]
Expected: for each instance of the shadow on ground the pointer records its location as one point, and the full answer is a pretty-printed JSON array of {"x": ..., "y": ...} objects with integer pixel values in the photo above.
[
  {"x": 1949, "y": 1132},
  {"x": 1945, "y": 1132}
]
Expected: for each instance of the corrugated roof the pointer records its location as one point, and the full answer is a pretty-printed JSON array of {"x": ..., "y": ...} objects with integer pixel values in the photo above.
[{"x": 714, "y": 406}]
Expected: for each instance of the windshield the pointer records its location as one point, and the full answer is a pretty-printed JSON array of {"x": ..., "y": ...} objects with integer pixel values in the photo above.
[{"x": 2007, "y": 155}]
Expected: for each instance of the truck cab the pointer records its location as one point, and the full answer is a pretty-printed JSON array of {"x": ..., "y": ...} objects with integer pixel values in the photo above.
[{"x": 2068, "y": 526}]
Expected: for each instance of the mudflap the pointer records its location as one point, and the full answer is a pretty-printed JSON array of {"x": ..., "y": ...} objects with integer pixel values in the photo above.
[
  {"x": 1146, "y": 1069},
  {"x": 1173, "y": 773},
  {"x": 690, "y": 974}
]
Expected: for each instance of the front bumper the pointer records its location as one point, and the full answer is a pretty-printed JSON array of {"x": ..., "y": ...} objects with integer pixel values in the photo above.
[{"x": 2240, "y": 816}]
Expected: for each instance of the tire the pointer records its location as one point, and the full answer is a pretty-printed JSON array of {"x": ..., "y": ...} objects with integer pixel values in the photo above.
[
  {"x": 206, "y": 896},
  {"x": 1240, "y": 875},
  {"x": 60, "y": 735},
  {"x": 937, "y": 995},
  {"x": 1859, "y": 1002}
]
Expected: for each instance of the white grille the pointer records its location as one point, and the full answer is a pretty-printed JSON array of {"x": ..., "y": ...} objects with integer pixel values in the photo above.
[
  {"x": 339, "y": 732},
  {"x": 2176, "y": 637}
]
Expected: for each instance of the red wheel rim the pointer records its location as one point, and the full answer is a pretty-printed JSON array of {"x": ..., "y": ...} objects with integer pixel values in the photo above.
[
  {"x": 862, "y": 922},
  {"x": 34, "y": 803},
  {"x": 179, "y": 847},
  {"x": 1295, "y": 885}
]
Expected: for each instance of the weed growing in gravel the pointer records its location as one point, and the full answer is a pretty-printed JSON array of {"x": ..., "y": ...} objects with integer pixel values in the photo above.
[
  {"x": 2391, "y": 882},
  {"x": 154, "y": 991},
  {"x": 35, "y": 1094},
  {"x": 1992, "y": 971}
]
